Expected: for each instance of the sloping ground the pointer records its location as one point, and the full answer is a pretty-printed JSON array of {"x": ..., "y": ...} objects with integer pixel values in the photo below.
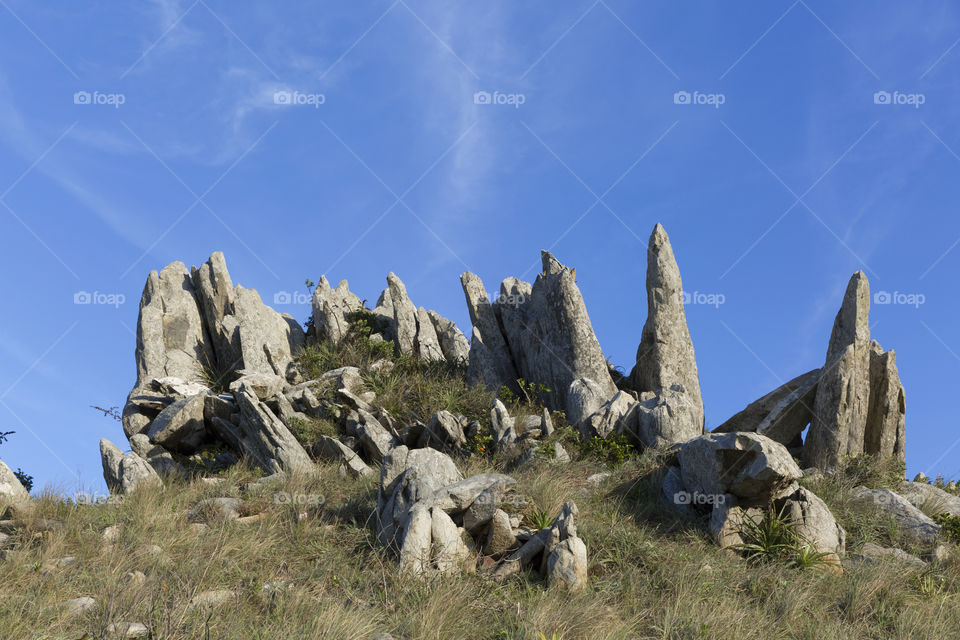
[{"x": 302, "y": 561}]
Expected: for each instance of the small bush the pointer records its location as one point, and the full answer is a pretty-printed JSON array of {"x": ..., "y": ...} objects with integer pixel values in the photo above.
[
  {"x": 775, "y": 539},
  {"x": 613, "y": 451},
  {"x": 950, "y": 526}
]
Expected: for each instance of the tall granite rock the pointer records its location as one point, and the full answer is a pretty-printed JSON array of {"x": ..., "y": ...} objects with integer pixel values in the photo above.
[
  {"x": 666, "y": 362},
  {"x": 860, "y": 403},
  {"x": 843, "y": 394},
  {"x": 541, "y": 333},
  {"x": 782, "y": 414}
]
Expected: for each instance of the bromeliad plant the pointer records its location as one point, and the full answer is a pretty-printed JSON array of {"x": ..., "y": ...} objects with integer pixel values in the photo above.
[{"x": 775, "y": 539}]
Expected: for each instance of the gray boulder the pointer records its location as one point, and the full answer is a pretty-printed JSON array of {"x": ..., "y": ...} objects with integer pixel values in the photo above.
[
  {"x": 665, "y": 418},
  {"x": 445, "y": 431},
  {"x": 751, "y": 467},
  {"x": 428, "y": 344},
  {"x": 332, "y": 450},
  {"x": 124, "y": 473},
  {"x": 929, "y": 498},
  {"x": 665, "y": 357},
  {"x": 11, "y": 490},
  {"x": 814, "y": 522},
  {"x": 619, "y": 413},
  {"x": 910, "y": 520},
  {"x": 180, "y": 427}
]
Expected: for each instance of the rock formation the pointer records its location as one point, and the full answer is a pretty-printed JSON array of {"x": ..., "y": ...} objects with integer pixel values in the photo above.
[
  {"x": 540, "y": 333},
  {"x": 665, "y": 357},
  {"x": 10, "y": 487},
  {"x": 855, "y": 404},
  {"x": 859, "y": 405}
]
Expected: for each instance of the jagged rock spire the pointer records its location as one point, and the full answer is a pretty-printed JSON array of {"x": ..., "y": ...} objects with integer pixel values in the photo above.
[{"x": 665, "y": 357}]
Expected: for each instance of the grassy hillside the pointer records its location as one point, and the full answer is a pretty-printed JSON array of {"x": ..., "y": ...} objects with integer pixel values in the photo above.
[{"x": 303, "y": 561}]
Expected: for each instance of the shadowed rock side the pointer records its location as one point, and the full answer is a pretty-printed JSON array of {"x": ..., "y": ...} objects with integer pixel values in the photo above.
[
  {"x": 665, "y": 357},
  {"x": 541, "y": 333}
]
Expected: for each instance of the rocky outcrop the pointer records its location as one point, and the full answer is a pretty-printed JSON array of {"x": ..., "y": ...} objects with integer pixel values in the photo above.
[
  {"x": 124, "y": 473},
  {"x": 859, "y": 405},
  {"x": 264, "y": 438},
  {"x": 540, "y": 333},
  {"x": 10, "y": 488},
  {"x": 172, "y": 339},
  {"x": 333, "y": 310},
  {"x": 665, "y": 357},
  {"x": 814, "y": 523},
  {"x": 453, "y": 344}
]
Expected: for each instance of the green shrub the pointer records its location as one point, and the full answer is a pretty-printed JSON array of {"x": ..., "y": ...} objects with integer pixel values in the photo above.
[
  {"x": 950, "y": 526},
  {"x": 774, "y": 539},
  {"x": 613, "y": 451}
]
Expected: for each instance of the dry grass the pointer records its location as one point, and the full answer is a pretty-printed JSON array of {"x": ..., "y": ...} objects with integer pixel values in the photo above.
[{"x": 652, "y": 575}]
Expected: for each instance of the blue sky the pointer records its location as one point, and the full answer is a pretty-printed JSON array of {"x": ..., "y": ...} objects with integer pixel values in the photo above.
[{"x": 782, "y": 174}]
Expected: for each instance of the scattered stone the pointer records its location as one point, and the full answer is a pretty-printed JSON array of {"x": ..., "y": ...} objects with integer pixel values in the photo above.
[
  {"x": 111, "y": 533},
  {"x": 872, "y": 553},
  {"x": 135, "y": 579},
  {"x": 259, "y": 384},
  {"x": 910, "y": 520},
  {"x": 264, "y": 438},
  {"x": 616, "y": 413},
  {"x": 382, "y": 365},
  {"x": 211, "y": 599},
  {"x": 500, "y": 536},
  {"x": 444, "y": 432},
  {"x": 77, "y": 606},
  {"x": 597, "y": 479},
  {"x": 332, "y": 450},
  {"x": 814, "y": 523},
  {"x": 215, "y": 510},
  {"x": 127, "y": 630},
  {"x": 584, "y": 398}
]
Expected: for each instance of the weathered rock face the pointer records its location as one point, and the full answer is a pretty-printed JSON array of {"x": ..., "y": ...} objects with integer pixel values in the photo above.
[
  {"x": 859, "y": 405},
  {"x": 332, "y": 309},
  {"x": 215, "y": 295},
  {"x": 10, "y": 488},
  {"x": 268, "y": 340},
  {"x": 265, "y": 439},
  {"x": 814, "y": 522},
  {"x": 885, "y": 432},
  {"x": 453, "y": 344},
  {"x": 171, "y": 337},
  {"x": 541, "y": 333},
  {"x": 180, "y": 426},
  {"x": 584, "y": 398},
  {"x": 491, "y": 363},
  {"x": 782, "y": 414},
  {"x": 665, "y": 357},
  {"x": 753, "y": 468}
]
